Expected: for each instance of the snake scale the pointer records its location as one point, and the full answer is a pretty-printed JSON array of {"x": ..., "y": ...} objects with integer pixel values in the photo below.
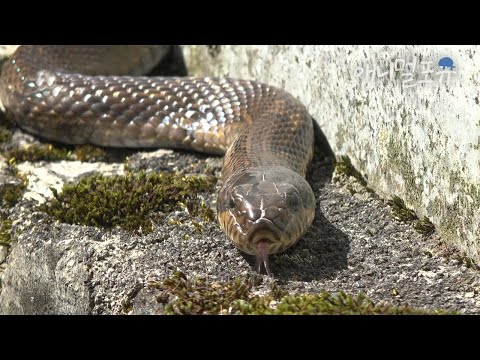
[{"x": 95, "y": 94}]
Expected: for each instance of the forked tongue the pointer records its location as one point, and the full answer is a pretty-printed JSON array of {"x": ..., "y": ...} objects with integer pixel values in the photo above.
[{"x": 262, "y": 257}]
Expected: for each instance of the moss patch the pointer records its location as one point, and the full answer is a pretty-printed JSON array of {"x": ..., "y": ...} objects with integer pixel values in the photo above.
[
  {"x": 47, "y": 151},
  {"x": 50, "y": 152},
  {"x": 5, "y": 135},
  {"x": 129, "y": 201},
  {"x": 465, "y": 260},
  {"x": 344, "y": 167},
  {"x": 400, "y": 211},
  {"x": 468, "y": 262},
  {"x": 89, "y": 153},
  {"x": 5, "y": 230},
  {"x": 11, "y": 193},
  {"x": 424, "y": 226},
  {"x": 179, "y": 295}
]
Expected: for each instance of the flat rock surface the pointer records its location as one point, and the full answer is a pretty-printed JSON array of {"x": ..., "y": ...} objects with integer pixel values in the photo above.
[{"x": 354, "y": 245}]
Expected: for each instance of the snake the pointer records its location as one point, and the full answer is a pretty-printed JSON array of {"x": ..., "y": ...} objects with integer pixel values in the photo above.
[{"x": 99, "y": 94}]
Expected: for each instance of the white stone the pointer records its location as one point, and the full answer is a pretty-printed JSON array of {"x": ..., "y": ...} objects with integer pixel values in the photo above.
[
  {"x": 3, "y": 253},
  {"x": 42, "y": 176}
]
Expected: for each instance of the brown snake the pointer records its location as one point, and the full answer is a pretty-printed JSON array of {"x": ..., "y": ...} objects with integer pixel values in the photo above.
[{"x": 93, "y": 94}]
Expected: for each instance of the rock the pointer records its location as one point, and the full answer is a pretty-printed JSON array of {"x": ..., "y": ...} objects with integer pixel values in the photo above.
[
  {"x": 47, "y": 275},
  {"x": 3, "y": 253}
]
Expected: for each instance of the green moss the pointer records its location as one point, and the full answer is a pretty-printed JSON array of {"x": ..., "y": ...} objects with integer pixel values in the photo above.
[
  {"x": 11, "y": 193},
  {"x": 50, "y": 152},
  {"x": 5, "y": 230},
  {"x": 344, "y": 167},
  {"x": 424, "y": 226},
  {"x": 462, "y": 211},
  {"x": 327, "y": 304},
  {"x": 129, "y": 201},
  {"x": 4, "y": 135},
  {"x": 47, "y": 152},
  {"x": 34, "y": 153},
  {"x": 199, "y": 296},
  {"x": 466, "y": 260},
  {"x": 470, "y": 263},
  {"x": 400, "y": 211},
  {"x": 179, "y": 295},
  {"x": 197, "y": 226},
  {"x": 89, "y": 153}
]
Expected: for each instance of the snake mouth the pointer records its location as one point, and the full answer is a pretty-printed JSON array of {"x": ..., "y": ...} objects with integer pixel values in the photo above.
[{"x": 263, "y": 230}]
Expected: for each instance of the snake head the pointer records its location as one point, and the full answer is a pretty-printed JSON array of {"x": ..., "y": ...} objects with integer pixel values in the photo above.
[{"x": 265, "y": 211}]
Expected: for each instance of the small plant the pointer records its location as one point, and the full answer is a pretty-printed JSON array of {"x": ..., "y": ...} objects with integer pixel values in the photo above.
[
  {"x": 4, "y": 135},
  {"x": 424, "y": 226},
  {"x": 5, "y": 230},
  {"x": 11, "y": 193},
  {"x": 344, "y": 167},
  {"x": 400, "y": 211},
  {"x": 179, "y": 295}
]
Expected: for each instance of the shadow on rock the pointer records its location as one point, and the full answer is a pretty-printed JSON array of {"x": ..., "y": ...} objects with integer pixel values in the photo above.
[
  {"x": 172, "y": 65},
  {"x": 320, "y": 254}
]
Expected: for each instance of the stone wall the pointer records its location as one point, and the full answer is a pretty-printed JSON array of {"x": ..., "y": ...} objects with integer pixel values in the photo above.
[{"x": 417, "y": 140}]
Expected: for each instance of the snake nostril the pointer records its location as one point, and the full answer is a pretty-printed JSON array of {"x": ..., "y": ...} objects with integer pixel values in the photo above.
[{"x": 254, "y": 214}]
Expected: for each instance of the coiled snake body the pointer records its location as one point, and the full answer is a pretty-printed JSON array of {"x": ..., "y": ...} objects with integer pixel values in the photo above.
[{"x": 93, "y": 94}]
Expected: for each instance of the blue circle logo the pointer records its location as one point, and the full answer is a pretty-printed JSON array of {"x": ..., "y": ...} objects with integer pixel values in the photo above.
[{"x": 446, "y": 63}]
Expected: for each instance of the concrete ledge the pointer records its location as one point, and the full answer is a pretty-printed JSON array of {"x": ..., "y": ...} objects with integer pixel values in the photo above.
[{"x": 420, "y": 142}]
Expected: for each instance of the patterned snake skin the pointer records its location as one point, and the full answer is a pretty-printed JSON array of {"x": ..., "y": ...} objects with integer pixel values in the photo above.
[{"x": 93, "y": 94}]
